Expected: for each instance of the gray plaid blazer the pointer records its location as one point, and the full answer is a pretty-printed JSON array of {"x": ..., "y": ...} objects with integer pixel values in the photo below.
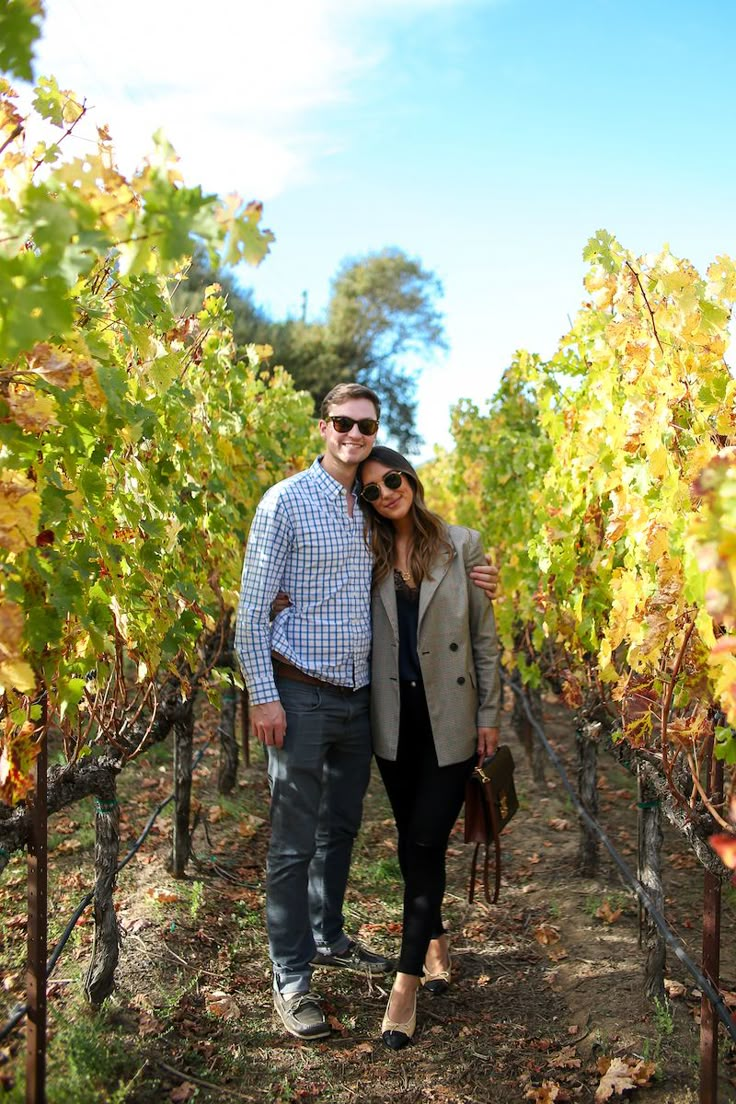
[{"x": 458, "y": 653}]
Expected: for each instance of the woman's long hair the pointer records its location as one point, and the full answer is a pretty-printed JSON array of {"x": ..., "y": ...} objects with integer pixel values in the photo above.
[{"x": 430, "y": 540}]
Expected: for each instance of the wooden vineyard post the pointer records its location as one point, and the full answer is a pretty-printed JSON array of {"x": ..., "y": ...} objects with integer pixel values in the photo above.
[
  {"x": 586, "y": 742},
  {"x": 711, "y": 962},
  {"x": 649, "y": 821},
  {"x": 525, "y": 696},
  {"x": 37, "y": 927},
  {"x": 228, "y": 769},
  {"x": 183, "y": 739},
  {"x": 100, "y": 979}
]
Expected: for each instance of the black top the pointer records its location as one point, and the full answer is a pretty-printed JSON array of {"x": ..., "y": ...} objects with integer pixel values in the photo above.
[{"x": 407, "y": 609}]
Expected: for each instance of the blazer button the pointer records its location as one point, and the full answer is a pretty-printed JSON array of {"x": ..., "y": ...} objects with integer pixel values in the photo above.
[
  {"x": 461, "y": 681},
  {"x": 453, "y": 647}
]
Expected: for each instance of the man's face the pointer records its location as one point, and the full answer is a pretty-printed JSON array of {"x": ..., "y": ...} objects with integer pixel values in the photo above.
[{"x": 350, "y": 447}]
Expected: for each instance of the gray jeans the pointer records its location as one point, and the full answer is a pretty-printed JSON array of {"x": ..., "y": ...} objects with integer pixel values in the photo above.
[{"x": 318, "y": 780}]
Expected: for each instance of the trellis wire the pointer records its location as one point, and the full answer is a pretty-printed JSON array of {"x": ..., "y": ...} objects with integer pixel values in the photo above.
[
  {"x": 704, "y": 984},
  {"x": 87, "y": 900}
]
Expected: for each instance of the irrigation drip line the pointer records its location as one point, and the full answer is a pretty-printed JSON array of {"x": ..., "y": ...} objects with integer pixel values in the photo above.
[
  {"x": 20, "y": 1012},
  {"x": 704, "y": 984}
]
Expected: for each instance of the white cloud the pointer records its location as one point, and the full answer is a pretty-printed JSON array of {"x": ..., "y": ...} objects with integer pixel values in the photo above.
[
  {"x": 236, "y": 85},
  {"x": 230, "y": 83}
]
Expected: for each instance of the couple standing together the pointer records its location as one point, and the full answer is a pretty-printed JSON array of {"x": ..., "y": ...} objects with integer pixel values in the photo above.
[{"x": 385, "y": 636}]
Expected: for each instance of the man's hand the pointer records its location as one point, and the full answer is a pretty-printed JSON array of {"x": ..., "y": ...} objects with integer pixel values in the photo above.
[
  {"x": 485, "y": 576},
  {"x": 268, "y": 723},
  {"x": 487, "y": 742}
]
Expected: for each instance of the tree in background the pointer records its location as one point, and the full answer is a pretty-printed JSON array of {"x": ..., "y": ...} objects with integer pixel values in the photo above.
[{"x": 382, "y": 314}]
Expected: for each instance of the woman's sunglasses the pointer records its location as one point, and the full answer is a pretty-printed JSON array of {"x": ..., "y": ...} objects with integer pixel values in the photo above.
[
  {"x": 391, "y": 481},
  {"x": 343, "y": 424}
]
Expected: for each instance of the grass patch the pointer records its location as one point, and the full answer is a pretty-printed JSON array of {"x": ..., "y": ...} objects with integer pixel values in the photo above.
[{"x": 89, "y": 1061}]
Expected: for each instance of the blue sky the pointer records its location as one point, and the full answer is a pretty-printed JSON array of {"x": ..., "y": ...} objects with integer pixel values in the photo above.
[{"x": 488, "y": 138}]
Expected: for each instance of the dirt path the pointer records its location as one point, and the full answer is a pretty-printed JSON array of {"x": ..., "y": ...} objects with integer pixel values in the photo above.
[{"x": 547, "y": 985}]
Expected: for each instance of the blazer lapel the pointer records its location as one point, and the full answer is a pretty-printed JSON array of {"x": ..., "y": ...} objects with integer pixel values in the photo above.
[
  {"x": 387, "y": 594},
  {"x": 429, "y": 586}
]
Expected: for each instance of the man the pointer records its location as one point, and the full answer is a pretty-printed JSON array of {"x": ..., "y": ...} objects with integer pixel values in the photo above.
[{"x": 308, "y": 674}]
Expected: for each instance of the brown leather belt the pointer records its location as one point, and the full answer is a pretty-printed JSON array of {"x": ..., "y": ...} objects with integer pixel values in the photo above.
[{"x": 284, "y": 669}]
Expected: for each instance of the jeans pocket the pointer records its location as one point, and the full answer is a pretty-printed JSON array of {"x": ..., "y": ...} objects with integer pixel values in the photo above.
[{"x": 299, "y": 697}]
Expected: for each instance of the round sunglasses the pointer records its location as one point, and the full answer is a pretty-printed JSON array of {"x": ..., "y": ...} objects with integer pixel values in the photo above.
[{"x": 391, "y": 481}]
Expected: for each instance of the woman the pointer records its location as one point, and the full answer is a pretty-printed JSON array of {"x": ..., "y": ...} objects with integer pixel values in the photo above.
[{"x": 434, "y": 704}]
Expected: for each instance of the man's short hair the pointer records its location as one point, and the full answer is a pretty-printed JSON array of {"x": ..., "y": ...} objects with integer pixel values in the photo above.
[{"x": 343, "y": 392}]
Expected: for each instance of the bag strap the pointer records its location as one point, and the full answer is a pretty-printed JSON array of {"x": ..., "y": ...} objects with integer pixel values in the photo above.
[{"x": 489, "y": 800}]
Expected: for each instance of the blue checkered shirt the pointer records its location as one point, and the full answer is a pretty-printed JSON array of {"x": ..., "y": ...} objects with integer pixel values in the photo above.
[{"x": 303, "y": 542}]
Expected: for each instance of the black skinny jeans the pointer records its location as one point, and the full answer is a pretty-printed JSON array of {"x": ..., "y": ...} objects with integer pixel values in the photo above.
[{"x": 426, "y": 800}]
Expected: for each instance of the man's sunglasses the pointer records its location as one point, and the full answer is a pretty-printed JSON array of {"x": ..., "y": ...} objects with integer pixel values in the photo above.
[
  {"x": 343, "y": 424},
  {"x": 372, "y": 491}
]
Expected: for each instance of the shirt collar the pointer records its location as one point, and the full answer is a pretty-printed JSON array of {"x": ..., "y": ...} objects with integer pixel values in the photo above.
[{"x": 327, "y": 483}]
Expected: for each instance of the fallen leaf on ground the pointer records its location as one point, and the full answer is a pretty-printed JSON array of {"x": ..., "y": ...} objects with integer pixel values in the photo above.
[
  {"x": 141, "y": 1001},
  {"x": 559, "y": 824},
  {"x": 149, "y": 1025},
  {"x": 546, "y": 934},
  {"x": 566, "y": 1058},
  {"x": 620, "y": 1074},
  {"x": 616, "y": 1079},
  {"x": 607, "y": 914},
  {"x": 674, "y": 989},
  {"x": 221, "y": 1004},
  {"x": 545, "y": 1093},
  {"x": 164, "y": 896},
  {"x": 183, "y": 1092},
  {"x": 357, "y": 1051}
]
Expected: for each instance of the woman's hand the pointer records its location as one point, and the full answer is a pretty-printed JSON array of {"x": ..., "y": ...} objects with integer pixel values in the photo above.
[
  {"x": 280, "y": 603},
  {"x": 487, "y": 742}
]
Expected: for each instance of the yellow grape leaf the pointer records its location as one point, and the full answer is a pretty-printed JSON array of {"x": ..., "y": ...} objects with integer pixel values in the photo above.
[
  {"x": 20, "y": 508},
  {"x": 657, "y": 543},
  {"x": 722, "y": 277},
  {"x": 51, "y": 364},
  {"x": 32, "y": 410},
  {"x": 18, "y": 751},
  {"x": 15, "y": 672}
]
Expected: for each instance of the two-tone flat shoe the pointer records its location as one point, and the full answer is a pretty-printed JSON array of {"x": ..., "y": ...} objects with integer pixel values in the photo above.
[
  {"x": 438, "y": 982},
  {"x": 397, "y": 1035}
]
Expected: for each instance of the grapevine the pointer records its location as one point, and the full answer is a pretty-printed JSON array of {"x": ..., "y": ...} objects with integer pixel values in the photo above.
[{"x": 134, "y": 443}]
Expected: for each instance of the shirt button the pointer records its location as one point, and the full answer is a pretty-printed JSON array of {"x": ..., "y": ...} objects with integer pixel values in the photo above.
[
  {"x": 461, "y": 681},
  {"x": 453, "y": 647}
]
